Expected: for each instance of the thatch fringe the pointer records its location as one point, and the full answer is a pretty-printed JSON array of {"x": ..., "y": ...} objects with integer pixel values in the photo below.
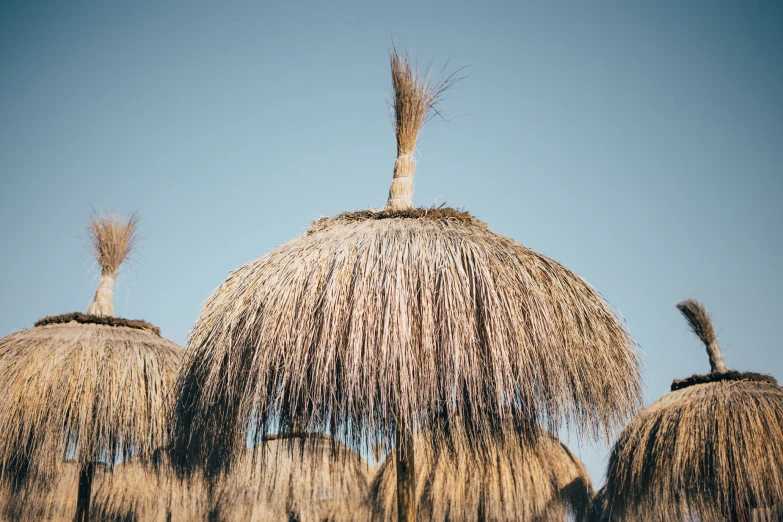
[
  {"x": 543, "y": 481},
  {"x": 699, "y": 320},
  {"x": 86, "y": 391},
  {"x": 79, "y": 317},
  {"x": 42, "y": 500},
  {"x": 706, "y": 452},
  {"x": 364, "y": 324},
  {"x": 712, "y": 449},
  {"x": 415, "y": 97},
  {"x": 112, "y": 239}
]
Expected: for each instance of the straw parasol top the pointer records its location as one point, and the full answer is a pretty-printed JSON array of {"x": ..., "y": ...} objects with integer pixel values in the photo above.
[
  {"x": 320, "y": 480},
  {"x": 712, "y": 449},
  {"x": 539, "y": 481},
  {"x": 89, "y": 387},
  {"x": 383, "y": 319}
]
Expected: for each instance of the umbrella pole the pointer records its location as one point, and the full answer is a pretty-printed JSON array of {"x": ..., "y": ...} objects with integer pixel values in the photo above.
[
  {"x": 406, "y": 478},
  {"x": 85, "y": 492}
]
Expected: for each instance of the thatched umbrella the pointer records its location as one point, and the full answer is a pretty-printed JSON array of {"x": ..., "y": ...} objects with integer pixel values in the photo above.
[
  {"x": 320, "y": 481},
  {"x": 712, "y": 449},
  {"x": 148, "y": 489},
  {"x": 375, "y": 323},
  {"x": 88, "y": 387},
  {"x": 540, "y": 481},
  {"x": 315, "y": 484}
]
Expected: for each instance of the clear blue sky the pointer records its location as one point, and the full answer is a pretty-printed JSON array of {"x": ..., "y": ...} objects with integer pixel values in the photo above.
[{"x": 640, "y": 145}]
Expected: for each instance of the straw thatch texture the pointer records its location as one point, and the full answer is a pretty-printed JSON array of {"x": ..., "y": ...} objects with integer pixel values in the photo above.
[
  {"x": 706, "y": 452},
  {"x": 139, "y": 490},
  {"x": 542, "y": 481},
  {"x": 90, "y": 392},
  {"x": 52, "y": 500},
  {"x": 367, "y": 322},
  {"x": 285, "y": 480},
  {"x": 415, "y": 98},
  {"x": 112, "y": 239}
]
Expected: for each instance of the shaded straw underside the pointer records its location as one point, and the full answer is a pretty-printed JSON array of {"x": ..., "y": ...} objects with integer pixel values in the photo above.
[
  {"x": 364, "y": 323},
  {"x": 704, "y": 452},
  {"x": 312, "y": 482},
  {"x": 541, "y": 481},
  {"x": 84, "y": 391},
  {"x": 51, "y": 500}
]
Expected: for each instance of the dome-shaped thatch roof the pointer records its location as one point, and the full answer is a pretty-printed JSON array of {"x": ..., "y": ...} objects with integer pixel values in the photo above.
[
  {"x": 377, "y": 321},
  {"x": 311, "y": 480},
  {"x": 712, "y": 449},
  {"x": 321, "y": 480},
  {"x": 540, "y": 481},
  {"x": 87, "y": 387}
]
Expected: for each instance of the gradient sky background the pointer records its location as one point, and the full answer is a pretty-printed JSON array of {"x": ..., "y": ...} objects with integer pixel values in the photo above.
[{"x": 639, "y": 145}]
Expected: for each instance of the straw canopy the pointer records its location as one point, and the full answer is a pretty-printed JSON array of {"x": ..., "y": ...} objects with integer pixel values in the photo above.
[
  {"x": 87, "y": 387},
  {"x": 712, "y": 449},
  {"x": 286, "y": 479},
  {"x": 542, "y": 481},
  {"x": 378, "y": 321}
]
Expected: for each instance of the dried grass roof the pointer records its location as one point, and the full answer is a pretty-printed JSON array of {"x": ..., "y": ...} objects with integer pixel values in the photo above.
[
  {"x": 52, "y": 500},
  {"x": 112, "y": 239},
  {"x": 281, "y": 480},
  {"x": 362, "y": 323},
  {"x": 87, "y": 391},
  {"x": 540, "y": 481},
  {"x": 711, "y": 450},
  {"x": 320, "y": 480}
]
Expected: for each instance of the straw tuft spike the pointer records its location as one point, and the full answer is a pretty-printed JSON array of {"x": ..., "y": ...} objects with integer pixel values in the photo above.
[
  {"x": 701, "y": 324},
  {"x": 415, "y": 97},
  {"x": 112, "y": 239}
]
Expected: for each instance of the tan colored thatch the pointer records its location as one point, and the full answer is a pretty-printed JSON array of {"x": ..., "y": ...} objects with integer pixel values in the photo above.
[
  {"x": 364, "y": 322},
  {"x": 712, "y": 449},
  {"x": 86, "y": 387},
  {"x": 540, "y": 481},
  {"x": 146, "y": 491},
  {"x": 112, "y": 239},
  {"x": 415, "y": 98},
  {"x": 51, "y": 500},
  {"x": 282, "y": 479},
  {"x": 85, "y": 391}
]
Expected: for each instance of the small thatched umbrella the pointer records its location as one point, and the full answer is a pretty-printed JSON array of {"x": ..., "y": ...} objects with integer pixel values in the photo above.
[
  {"x": 375, "y": 323},
  {"x": 712, "y": 449},
  {"x": 144, "y": 489},
  {"x": 88, "y": 387},
  {"x": 321, "y": 481},
  {"x": 540, "y": 481}
]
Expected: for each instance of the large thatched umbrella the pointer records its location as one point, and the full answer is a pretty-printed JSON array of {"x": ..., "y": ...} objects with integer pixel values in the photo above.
[
  {"x": 377, "y": 322},
  {"x": 88, "y": 387},
  {"x": 712, "y": 449}
]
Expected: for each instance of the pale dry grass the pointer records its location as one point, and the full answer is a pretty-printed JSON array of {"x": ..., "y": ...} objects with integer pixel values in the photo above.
[
  {"x": 84, "y": 391},
  {"x": 539, "y": 481},
  {"x": 285, "y": 480},
  {"x": 51, "y": 500},
  {"x": 362, "y": 324},
  {"x": 710, "y": 450},
  {"x": 112, "y": 239}
]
